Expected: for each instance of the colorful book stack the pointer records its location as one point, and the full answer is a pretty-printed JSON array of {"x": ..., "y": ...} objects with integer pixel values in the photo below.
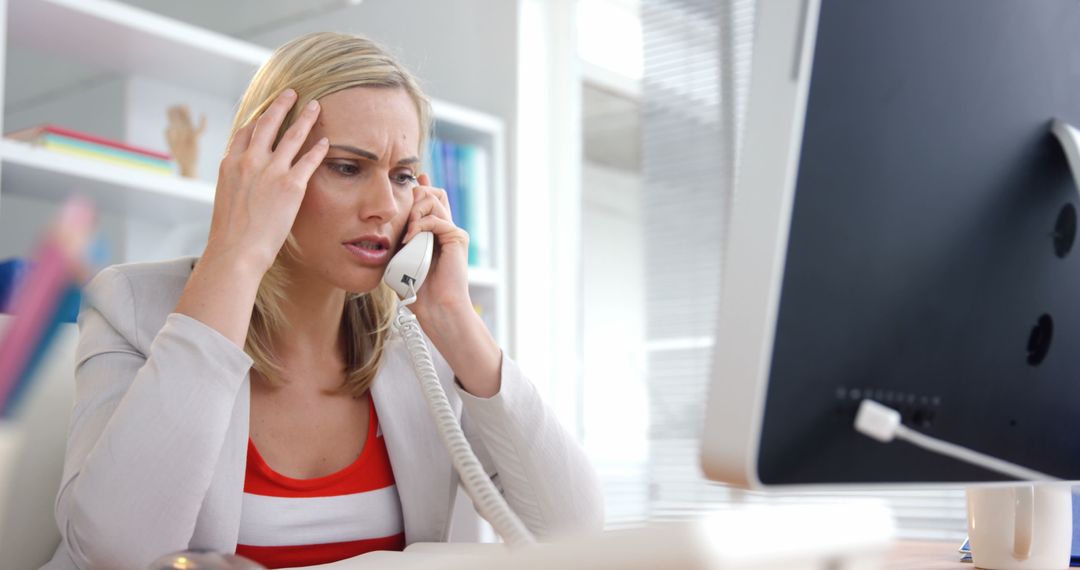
[
  {"x": 462, "y": 170},
  {"x": 86, "y": 145}
]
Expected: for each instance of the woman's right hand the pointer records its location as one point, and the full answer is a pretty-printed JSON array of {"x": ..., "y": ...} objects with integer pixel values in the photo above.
[
  {"x": 259, "y": 192},
  {"x": 260, "y": 188}
]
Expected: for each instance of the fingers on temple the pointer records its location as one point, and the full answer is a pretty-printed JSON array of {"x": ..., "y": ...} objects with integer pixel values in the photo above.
[
  {"x": 294, "y": 138},
  {"x": 268, "y": 124},
  {"x": 305, "y": 167}
]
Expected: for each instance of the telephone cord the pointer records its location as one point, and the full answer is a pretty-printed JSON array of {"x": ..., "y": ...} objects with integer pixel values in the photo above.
[{"x": 486, "y": 497}]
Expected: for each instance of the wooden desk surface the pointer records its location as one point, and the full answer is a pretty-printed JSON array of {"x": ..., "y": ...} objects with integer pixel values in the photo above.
[{"x": 912, "y": 555}]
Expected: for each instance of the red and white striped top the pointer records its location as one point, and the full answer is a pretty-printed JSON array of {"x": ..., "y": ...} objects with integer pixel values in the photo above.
[{"x": 302, "y": 522}]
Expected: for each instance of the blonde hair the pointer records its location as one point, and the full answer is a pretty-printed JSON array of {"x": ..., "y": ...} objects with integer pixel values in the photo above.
[{"x": 316, "y": 65}]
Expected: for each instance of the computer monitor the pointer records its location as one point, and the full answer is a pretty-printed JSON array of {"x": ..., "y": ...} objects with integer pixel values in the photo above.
[{"x": 902, "y": 231}]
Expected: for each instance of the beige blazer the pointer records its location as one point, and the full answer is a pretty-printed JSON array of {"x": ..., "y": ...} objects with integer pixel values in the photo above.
[{"x": 157, "y": 443}]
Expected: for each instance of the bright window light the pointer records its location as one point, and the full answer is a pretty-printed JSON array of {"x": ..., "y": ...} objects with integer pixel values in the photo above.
[{"x": 609, "y": 35}]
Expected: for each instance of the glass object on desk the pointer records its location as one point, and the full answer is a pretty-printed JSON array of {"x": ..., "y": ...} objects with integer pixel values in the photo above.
[{"x": 204, "y": 560}]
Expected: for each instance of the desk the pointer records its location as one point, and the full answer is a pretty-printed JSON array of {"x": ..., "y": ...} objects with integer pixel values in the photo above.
[
  {"x": 912, "y": 555},
  {"x": 904, "y": 555}
]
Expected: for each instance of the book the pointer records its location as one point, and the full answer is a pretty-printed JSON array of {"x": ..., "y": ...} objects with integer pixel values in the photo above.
[
  {"x": 463, "y": 171},
  {"x": 104, "y": 156},
  {"x": 450, "y": 179},
  {"x": 87, "y": 146},
  {"x": 12, "y": 273},
  {"x": 435, "y": 157},
  {"x": 76, "y": 145},
  {"x": 34, "y": 133},
  {"x": 480, "y": 233},
  {"x": 462, "y": 192}
]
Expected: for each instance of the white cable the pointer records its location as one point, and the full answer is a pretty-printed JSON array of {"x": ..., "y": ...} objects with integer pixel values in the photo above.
[
  {"x": 883, "y": 424},
  {"x": 486, "y": 497}
]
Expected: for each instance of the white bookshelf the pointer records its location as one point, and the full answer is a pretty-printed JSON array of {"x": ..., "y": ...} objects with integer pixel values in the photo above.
[
  {"x": 487, "y": 285},
  {"x": 35, "y": 172},
  {"x": 132, "y": 42}
]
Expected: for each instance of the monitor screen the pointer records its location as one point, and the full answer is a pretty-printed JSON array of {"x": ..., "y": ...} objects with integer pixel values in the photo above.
[{"x": 903, "y": 231}]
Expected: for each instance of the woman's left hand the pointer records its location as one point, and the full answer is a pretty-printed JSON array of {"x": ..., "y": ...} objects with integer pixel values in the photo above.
[
  {"x": 446, "y": 289},
  {"x": 443, "y": 305}
]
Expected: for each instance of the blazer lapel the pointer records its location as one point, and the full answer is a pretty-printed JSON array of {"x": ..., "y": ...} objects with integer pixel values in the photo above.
[{"x": 422, "y": 470}]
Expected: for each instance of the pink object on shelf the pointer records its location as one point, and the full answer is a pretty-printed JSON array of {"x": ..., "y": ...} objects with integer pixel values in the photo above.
[{"x": 56, "y": 262}]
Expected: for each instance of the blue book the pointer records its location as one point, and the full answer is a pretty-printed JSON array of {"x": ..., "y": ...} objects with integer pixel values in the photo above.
[
  {"x": 469, "y": 198},
  {"x": 464, "y": 193},
  {"x": 435, "y": 154},
  {"x": 450, "y": 180},
  {"x": 12, "y": 272},
  {"x": 67, "y": 309}
]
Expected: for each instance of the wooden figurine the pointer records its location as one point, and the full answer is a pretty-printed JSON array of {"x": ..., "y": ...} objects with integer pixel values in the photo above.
[{"x": 183, "y": 138}]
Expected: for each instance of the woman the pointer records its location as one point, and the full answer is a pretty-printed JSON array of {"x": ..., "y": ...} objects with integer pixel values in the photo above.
[{"x": 256, "y": 400}]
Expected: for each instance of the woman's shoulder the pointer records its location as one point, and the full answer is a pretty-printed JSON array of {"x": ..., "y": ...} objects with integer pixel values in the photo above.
[
  {"x": 145, "y": 279},
  {"x": 178, "y": 267},
  {"x": 136, "y": 298}
]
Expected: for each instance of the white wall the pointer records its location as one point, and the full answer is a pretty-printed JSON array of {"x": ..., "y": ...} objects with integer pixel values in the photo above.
[
  {"x": 463, "y": 51},
  {"x": 615, "y": 398},
  {"x": 22, "y": 220},
  {"x": 42, "y": 88},
  {"x": 547, "y": 211}
]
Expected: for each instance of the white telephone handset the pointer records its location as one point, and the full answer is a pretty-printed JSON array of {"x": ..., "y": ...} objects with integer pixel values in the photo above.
[
  {"x": 409, "y": 267},
  {"x": 405, "y": 273}
]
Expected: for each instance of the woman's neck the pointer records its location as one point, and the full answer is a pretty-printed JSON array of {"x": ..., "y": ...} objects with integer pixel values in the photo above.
[{"x": 313, "y": 311}]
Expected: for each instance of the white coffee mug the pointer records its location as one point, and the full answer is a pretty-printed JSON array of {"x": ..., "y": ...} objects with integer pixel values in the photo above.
[{"x": 1020, "y": 527}]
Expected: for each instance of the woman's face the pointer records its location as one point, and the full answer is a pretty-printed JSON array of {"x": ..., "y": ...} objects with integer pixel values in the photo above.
[{"x": 353, "y": 214}]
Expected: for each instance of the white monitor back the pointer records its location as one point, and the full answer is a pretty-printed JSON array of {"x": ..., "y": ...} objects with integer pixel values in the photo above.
[{"x": 757, "y": 238}]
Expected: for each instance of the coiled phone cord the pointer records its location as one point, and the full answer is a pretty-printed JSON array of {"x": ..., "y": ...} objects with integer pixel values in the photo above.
[{"x": 486, "y": 497}]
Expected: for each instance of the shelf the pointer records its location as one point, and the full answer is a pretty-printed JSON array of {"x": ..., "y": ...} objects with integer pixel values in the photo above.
[
  {"x": 35, "y": 172},
  {"x": 464, "y": 125},
  {"x": 131, "y": 41},
  {"x": 465, "y": 117}
]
